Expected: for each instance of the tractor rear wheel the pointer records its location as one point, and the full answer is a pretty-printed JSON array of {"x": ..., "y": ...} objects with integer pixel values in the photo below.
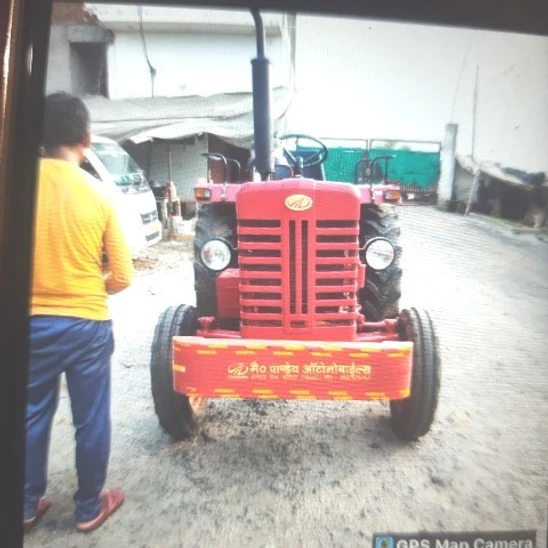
[
  {"x": 380, "y": 297},
  {"x": 178, "y": 414},
  {"x": 412, "y": 417},
  {"x": 214, "y": 221}
]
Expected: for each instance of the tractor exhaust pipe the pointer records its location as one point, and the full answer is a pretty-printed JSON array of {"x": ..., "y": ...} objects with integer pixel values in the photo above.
[{"x": 261, "y": 103}]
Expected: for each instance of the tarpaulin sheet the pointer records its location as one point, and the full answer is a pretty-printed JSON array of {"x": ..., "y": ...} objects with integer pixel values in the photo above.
[
  {"x": 511, "y": 176},
  {"x": 229, "y": 116}
]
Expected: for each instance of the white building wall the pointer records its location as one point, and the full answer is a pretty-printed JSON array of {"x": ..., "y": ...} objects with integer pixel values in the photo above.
[
  {"x": 187, "y": 163},
  {"x": 463, "y": 184},
  {"x": 194, "y": 51},
  {"x": 358, "y": 78},
  {"x": 188, "y": 64},
  {"x": 182, "y": 19},
  {"x": 59, "y": 75}
]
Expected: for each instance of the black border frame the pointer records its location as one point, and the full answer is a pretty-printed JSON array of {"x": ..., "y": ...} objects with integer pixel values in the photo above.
[{"x": 18, "y": 173}]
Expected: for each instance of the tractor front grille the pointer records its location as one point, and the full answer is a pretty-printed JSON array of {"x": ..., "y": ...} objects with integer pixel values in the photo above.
[
  {"x": 336, "y": 273},
  {"x": 298, "y": 276},
  {"x": 260, "y": 260}
]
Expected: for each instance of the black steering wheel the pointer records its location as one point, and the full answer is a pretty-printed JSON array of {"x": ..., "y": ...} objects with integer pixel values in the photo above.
[{"x": 315, "y": 159}]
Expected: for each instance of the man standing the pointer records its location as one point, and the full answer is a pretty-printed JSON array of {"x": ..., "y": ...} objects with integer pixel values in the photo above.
[{"x": 70, "y": 329}]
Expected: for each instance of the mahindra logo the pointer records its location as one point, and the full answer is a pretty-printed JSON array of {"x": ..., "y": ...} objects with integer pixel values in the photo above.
[
  {"x": 298, "y": 202},
  {"x": 238, "y": 370}
]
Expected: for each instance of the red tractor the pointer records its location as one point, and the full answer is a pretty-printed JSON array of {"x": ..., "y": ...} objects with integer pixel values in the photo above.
[{"x": 297, "y": 294}]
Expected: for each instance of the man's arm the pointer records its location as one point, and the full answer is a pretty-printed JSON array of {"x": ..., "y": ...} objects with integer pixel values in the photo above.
[{"x": 119, "y": 256}]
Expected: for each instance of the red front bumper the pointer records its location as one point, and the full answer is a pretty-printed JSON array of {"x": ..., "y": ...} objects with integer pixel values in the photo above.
[{"x": 307, "y": 370}]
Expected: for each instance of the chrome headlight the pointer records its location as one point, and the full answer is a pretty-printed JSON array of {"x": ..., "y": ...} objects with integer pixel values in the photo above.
[
  {"x": 379, "y": 253},
  {"x": 216, "y": 254}
]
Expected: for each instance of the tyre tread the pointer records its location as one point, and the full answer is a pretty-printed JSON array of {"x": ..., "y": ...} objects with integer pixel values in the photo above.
[
  {"x": 380, "y": 296},
  {"x": 412, "y": 418},
  {"x": 172, "y": 409},
  {"x": 213, "y": 221}
]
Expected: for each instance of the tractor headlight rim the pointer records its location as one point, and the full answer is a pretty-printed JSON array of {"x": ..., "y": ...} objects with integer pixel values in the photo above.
[
  {"x": 379, "y": 254},
  {"x": 216, "y": 254}
]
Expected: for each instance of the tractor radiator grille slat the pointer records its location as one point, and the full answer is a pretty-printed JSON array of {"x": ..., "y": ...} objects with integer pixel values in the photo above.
[
  {"x": 304, "y": 245},
  {"x": 298, "y": 275},
  {"x": 336, "y": 273},
  {"x": 292, "y": 268},
  {"x": 260, "y": 256},
  {"x": 336, "y": 268}
]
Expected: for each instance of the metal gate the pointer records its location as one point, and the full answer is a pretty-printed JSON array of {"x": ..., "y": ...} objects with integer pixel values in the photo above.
[{"x": 416, "y": 171}]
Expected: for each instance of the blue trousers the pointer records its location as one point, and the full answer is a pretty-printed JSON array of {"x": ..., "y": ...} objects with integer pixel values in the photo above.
[{"x": 82, "y": 349}]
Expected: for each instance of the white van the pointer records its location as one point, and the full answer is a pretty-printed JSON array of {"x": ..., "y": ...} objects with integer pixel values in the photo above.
[{"x": 108, "y": 162}]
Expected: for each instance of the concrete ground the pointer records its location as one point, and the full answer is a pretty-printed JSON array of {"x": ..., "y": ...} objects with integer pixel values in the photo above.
[{"x": 329, "y": 474}]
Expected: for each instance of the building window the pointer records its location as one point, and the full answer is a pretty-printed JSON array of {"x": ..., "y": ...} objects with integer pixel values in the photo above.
[{"x": 88, "y": 69}]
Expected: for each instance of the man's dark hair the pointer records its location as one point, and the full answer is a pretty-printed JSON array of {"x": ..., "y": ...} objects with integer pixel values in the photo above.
[{"x": 66, "y": 120}]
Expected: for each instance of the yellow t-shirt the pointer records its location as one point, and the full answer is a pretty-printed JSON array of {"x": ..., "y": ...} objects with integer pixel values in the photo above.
[{"x": 74, "y": 222}]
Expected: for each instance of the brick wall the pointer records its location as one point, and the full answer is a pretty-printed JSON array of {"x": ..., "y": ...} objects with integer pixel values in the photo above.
[{"x": 71, "y": 13}]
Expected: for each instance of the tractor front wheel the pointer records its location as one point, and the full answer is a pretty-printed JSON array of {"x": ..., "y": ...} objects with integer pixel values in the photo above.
[
  {"x": 178, "y": 414},
  {"x": 412, "y": 417},
  {"x": 213, "y": 221},
  {"x": 380, "y": 298}
]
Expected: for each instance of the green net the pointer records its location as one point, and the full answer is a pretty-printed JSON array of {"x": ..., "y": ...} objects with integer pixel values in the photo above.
[
  {"x": 408, "y": 168},
  {"x": 411, "y": 168}
]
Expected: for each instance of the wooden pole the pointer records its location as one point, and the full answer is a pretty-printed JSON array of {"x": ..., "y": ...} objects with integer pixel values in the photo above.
[
  {"x": 474, "y": 115},
  {"x": 169, "y": 163},
  {"x": 474, "y": 186}
]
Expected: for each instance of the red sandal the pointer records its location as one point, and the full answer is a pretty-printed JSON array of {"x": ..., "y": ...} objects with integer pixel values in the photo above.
[
  {"x": 43, "y": 506},
  {"x": 111, "y": 500}
]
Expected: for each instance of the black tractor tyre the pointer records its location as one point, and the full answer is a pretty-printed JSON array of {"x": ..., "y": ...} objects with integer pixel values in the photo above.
[
  {"x": 175, "y": 413},
  {"x": 412, "y": 417},
  {"x": 214, "y": 221},
  {"x": 188, "y": 211},
  {"x": 380, "y": 297}
]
